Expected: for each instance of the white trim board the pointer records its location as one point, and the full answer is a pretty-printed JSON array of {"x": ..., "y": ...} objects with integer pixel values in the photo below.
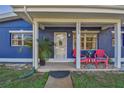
[
  {"x": 88, "y": 31},
  {"x": 20, "y": 31},
  {"x": 83, "y": 9},
  {"x": 85, "y": 20},
  {"x": 122, "y": 32},
  {"x": 16, "y": 60},
  {"x": 31, "y": 60},
  {"x": 49, "y": 60}
]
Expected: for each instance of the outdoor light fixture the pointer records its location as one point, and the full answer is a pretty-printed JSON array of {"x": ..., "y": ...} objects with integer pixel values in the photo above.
[
  {"x": 42, "y": 27},
  {"x": 69, "y": 35}
]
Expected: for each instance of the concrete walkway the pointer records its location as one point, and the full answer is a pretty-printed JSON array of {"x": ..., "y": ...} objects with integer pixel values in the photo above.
[{"x": 59, "y": 82}]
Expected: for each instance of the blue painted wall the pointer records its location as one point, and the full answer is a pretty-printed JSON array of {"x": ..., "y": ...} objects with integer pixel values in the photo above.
[
  {"x": 8, "y": 51},
  {"x": 106, "y": 38},
  {"x": 105, "y": 42}
]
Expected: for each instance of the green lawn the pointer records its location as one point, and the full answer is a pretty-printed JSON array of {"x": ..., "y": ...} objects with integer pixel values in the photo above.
[
  {"x": 8, "y": 79},
  {"x": 98, "y": 79}
]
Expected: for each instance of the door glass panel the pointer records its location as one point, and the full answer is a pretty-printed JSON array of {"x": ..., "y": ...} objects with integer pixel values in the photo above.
[{"x": 60, "y": 45}]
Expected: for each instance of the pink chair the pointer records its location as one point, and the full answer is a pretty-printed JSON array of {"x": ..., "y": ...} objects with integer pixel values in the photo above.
[
  {"x": 83, "y": 57},
  {"x": 100, "y": 56}
]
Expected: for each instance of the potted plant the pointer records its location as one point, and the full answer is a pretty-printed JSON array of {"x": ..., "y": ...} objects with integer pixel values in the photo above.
[{"x": 45, "y": 50}]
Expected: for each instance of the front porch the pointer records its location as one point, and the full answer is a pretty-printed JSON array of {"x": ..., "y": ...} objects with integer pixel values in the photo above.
[
  {"x": 69, "y": 66},
  {"x": 78, "y": 36}
]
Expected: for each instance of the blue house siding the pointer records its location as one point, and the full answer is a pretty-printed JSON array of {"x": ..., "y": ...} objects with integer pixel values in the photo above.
[
  {"x": 105, "y": 42},
  {"x": 8, "y": 51},
  {"x": 112, "y": 49}
]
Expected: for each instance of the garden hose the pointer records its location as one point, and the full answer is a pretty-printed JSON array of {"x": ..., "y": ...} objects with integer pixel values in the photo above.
[{"x": 27, "y": 74}]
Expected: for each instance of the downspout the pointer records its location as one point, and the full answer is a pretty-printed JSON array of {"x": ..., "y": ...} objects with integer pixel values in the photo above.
[
  {"x": 29, "y": 73},
  {"x": 27, "y": 14},
  {"x": 29, "y": 17}
]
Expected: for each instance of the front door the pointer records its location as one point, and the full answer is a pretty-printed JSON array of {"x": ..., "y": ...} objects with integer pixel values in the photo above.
[{"x": 60, "y": 49}]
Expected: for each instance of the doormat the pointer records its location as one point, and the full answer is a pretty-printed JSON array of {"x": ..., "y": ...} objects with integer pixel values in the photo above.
[{"x": 59, "y": 74}]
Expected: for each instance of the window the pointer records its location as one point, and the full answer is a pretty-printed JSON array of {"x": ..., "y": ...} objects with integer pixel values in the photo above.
[
  {"x": 113, "y": 39},
  {"x": 18, "y": 39},
  {"x": 27, "y": 38},
  {"x": 88, "y": 40},
  {"x": 91, "y": 41}
]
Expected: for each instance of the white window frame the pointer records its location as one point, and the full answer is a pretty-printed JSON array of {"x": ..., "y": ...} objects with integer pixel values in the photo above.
[
  {"x": 122, "y": 32},
  {"x": 14, "y": 39},
  {"x": 86, "y": 32},
  {"x": 22, "y": 32}
]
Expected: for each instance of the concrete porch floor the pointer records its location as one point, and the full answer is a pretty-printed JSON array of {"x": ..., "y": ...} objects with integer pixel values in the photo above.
[{"x": 53, "y": 66}]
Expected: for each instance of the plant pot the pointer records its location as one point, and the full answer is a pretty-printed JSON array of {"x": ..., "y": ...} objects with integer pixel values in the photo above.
[{"x": 42, "y": 62}]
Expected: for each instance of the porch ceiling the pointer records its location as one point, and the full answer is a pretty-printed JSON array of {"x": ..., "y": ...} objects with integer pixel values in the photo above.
[
  {"x": 113, "y": 12},
  {"x": 58, "y": 24},
  {"x": 71, "y": 15}
]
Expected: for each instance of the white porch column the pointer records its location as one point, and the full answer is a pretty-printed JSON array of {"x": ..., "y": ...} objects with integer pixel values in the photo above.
[
  {"x": 78, "y": 28},
  {"x": 35, "y": 45},
  {"x": 118, "y": 45}
]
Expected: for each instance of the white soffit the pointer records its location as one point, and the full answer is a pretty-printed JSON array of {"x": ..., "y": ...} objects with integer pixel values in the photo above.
[
  {"x": 8, "y": 16},
  {"x": 77, "y": 9}
]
